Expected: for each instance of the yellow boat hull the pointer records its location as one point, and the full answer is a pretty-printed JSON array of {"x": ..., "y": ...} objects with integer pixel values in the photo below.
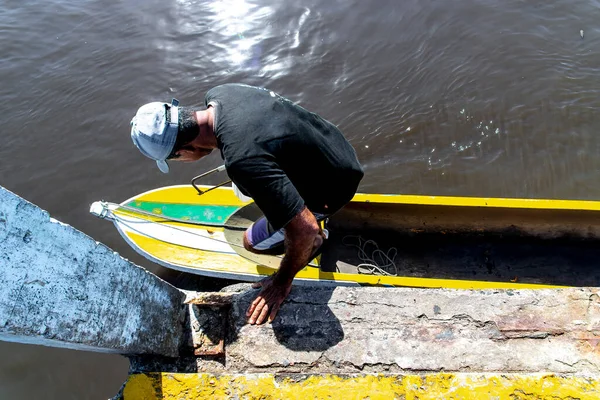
[{"x": 179, "y": 229}]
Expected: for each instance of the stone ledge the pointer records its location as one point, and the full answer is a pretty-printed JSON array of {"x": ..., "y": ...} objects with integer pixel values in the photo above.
[
  {"x": 61, "y": 288},
  {"x": 355, "y": 330}
]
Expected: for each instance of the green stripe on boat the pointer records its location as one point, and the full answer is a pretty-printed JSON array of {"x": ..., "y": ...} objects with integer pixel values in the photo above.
[{"x": 198, "y": 213}]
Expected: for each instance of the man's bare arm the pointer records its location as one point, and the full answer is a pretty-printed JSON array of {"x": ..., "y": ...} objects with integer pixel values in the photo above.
[{"x": 302, "y": 238}]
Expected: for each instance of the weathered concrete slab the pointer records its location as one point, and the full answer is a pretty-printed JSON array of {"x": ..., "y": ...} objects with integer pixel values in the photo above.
[
  {"x": 351, "y": 330},
  {"x": 423, "y": 387},
  {"x": 61, "y": 288},
  {"x": 384, "y": 343}
]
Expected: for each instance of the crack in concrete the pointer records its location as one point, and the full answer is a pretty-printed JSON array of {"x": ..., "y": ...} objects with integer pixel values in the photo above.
[
  {"x": 324, "y": 365},
  {"x": 17, "y": 301},
  {"x": 503, "y": 334},
  {"x": 527, "y": 334},
  {"x": 460, "y": 318},
  {"x": 579, "y": 363},
  {"x": 350, "y": 303},
  {"x": 593, "y": 298}
]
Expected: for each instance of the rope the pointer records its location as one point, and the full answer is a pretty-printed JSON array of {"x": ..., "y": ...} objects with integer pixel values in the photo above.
[{"x": 377, "y": 262}]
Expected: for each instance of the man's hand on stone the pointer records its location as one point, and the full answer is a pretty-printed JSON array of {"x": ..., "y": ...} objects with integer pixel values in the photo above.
[{"x": 268, "y": 301}]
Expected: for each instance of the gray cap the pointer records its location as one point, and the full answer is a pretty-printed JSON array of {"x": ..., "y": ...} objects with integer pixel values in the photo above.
[{"x": 153, "y": 134}]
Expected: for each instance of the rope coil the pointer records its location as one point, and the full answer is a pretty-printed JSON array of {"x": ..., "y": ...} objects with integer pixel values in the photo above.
[{"x": 375, "y": 262}]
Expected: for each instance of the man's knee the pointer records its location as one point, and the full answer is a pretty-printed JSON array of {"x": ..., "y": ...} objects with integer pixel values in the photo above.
[
  {"x": 276, "y": 247},
  {"x": 247, "y": 244}
]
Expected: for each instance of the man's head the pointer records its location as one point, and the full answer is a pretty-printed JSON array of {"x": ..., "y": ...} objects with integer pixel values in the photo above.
[{"x": 163, "y": 131}]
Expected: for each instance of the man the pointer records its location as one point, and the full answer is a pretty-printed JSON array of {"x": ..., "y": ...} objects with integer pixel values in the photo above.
[{"x": 294, "y": 164}]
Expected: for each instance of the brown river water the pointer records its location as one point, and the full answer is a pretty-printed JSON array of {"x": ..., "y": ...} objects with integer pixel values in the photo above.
[{"x": 440, "y": 97}]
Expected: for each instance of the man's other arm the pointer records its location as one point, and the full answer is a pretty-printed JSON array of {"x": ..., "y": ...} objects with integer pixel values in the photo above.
[{"x": 302, "y": 238}]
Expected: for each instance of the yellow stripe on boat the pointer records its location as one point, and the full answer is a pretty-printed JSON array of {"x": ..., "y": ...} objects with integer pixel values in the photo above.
[
  {"x": 544, "y": 204},
  {"x": 188, "y": 259},
  {"x": 188, "y": 195}
]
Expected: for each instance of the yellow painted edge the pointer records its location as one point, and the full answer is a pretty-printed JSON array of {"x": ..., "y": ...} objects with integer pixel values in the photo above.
[
  {"x": 587, "y": 205},
  {"x": 177, "y": 255},
  {"x": 379, "y": 280},
  {"x": 231, "y": 263},
  {"x": 225, "y": 196},
  {"x": 159, "y": 386},
  {"x": 186, "y": 194}
]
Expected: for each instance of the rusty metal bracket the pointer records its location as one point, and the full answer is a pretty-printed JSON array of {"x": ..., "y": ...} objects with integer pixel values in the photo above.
[
  {"x": 209, "y": 318},
  {"x": 219, "y": 349}
]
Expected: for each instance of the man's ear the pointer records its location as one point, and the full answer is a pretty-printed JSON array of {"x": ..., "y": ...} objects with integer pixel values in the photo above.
[{"x": 183, "y": 153}]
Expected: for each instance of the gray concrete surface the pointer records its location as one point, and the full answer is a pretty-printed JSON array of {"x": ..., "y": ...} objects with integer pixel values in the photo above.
[
  {"x": 419, "y": 330},
  {"x": 59, "y": 287}
]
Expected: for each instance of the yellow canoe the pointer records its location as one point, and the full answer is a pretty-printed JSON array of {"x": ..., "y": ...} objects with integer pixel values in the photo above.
[{"x": 386, "y": 240}]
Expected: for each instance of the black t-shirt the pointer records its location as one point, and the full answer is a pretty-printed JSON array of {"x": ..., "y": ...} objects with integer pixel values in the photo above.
[{"x": 282, "y": 155}]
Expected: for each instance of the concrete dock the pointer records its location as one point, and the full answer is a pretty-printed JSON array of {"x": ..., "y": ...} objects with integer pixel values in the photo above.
[
  {"x": 62, "y": 288},
  {"x": 398, "y": 343}
]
